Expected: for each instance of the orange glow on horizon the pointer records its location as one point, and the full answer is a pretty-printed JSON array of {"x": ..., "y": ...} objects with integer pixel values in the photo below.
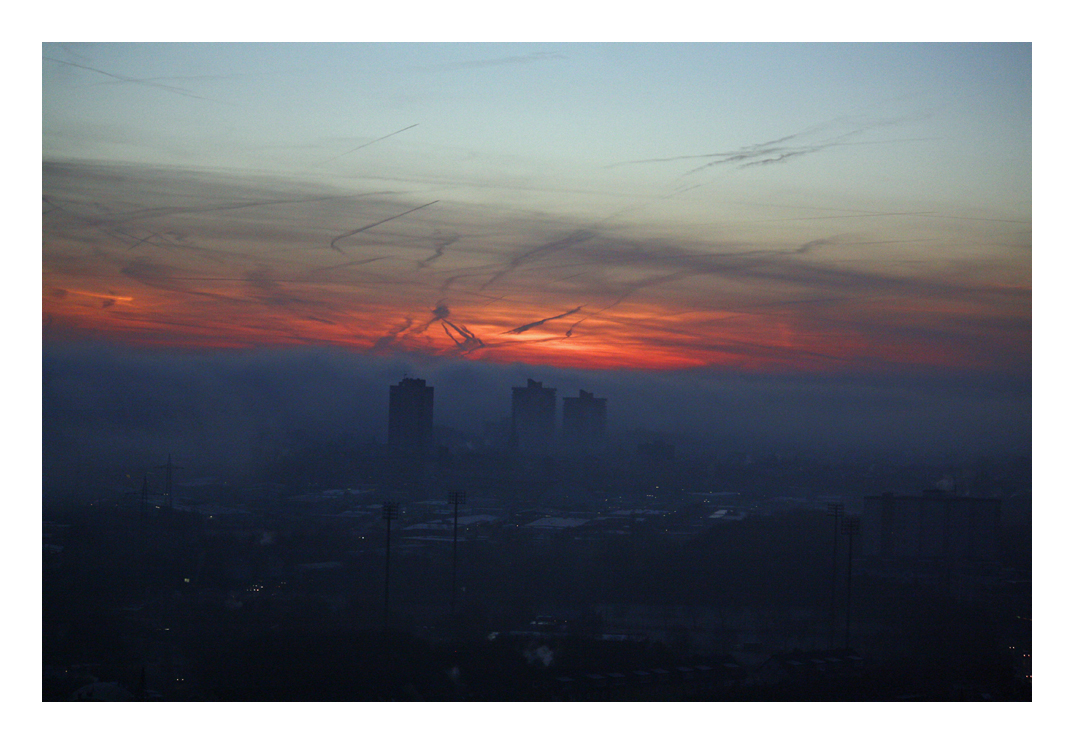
[{"x": 638, "y": 336}]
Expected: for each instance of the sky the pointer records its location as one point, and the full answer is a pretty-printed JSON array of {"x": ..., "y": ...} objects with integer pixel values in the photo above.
[
  {"x": 816, "y": 248},
  {"x": 842, "y": 229},
  {"x": 781, "y": 208}
]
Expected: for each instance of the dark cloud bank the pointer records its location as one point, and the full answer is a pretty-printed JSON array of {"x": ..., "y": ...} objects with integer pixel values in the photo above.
[{"x": 106, "y": 409}]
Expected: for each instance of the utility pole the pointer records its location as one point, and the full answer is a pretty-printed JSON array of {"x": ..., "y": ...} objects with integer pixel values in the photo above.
[
  {"x": 389, "y": 511},
  {"x": 143, "y": 504},
  {"x": 143, "y": 515},
  {"x": 144, "y": 530},
  {"x": 456, "y": 498},
  {"x": 168, "y": 471},
  {"x": 142, "y": 569},
  {"x": 850, "y": 528},
  {"x": 836, "y": 511}
]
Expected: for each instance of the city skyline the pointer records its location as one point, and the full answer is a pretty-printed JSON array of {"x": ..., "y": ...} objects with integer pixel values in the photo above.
[
  {"x": 581, "y": 419},
  {"x": 731, "y": 347},
  {"x": 286, "y": 229}
]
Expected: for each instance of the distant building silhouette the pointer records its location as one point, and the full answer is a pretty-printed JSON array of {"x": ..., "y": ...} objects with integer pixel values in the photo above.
[
  {"x": 585, "y": 418},
  {"x": 533, "y": 416},
  {"x": 497, "y": 434},
  {"x": 934, "y": 526},
  {"x": 410, "y": 415},
  {"x": 656, "y": 452}
]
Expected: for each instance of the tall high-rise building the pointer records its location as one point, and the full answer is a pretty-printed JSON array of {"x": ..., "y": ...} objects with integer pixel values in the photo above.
[
  {"x": 410, "y": 415},
  {"x": 533, "y": 416},
  {"x": 584, "y": 420}
]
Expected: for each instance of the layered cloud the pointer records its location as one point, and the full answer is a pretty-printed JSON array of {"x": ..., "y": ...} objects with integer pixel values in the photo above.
[{"x": 240, "y": 260}]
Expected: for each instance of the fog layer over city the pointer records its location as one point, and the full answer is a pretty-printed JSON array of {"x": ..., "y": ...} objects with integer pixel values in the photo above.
[{"x": 116, "y": 408}]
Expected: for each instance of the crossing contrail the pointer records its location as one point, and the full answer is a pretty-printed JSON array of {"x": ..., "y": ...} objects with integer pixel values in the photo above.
[{"x": 124, "y": 79}]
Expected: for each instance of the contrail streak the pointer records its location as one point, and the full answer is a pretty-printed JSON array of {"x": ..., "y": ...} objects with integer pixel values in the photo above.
[
  {"x": 125, "y": 79},
  {"x": 441, "y": 245},
  {"x": 357, "y": 262},
  {"x": 375, "y": 224},
  {"x": 334, "y": 157},
  {"x": 468, "y": 343},
  {"x": 528, "y": 326},
  {"x": 513, "y": 60},
  {"x": 173, "y": 211},
  {"x": 144, "y": 240},
  {"x": 579, "y": 236}
]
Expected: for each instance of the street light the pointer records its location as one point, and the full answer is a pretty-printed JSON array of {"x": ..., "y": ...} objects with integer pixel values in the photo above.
[
  {"x": 456, "y": 498},
  {"x": 836, "y": 511},
  {"x": 389, "y": 511},
  {"x": 850, "y": 528}
]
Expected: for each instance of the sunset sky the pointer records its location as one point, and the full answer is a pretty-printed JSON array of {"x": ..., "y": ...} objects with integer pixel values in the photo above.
[
  {"x": 782, "y": 246},
  {"x": 751, "y": 207}
]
